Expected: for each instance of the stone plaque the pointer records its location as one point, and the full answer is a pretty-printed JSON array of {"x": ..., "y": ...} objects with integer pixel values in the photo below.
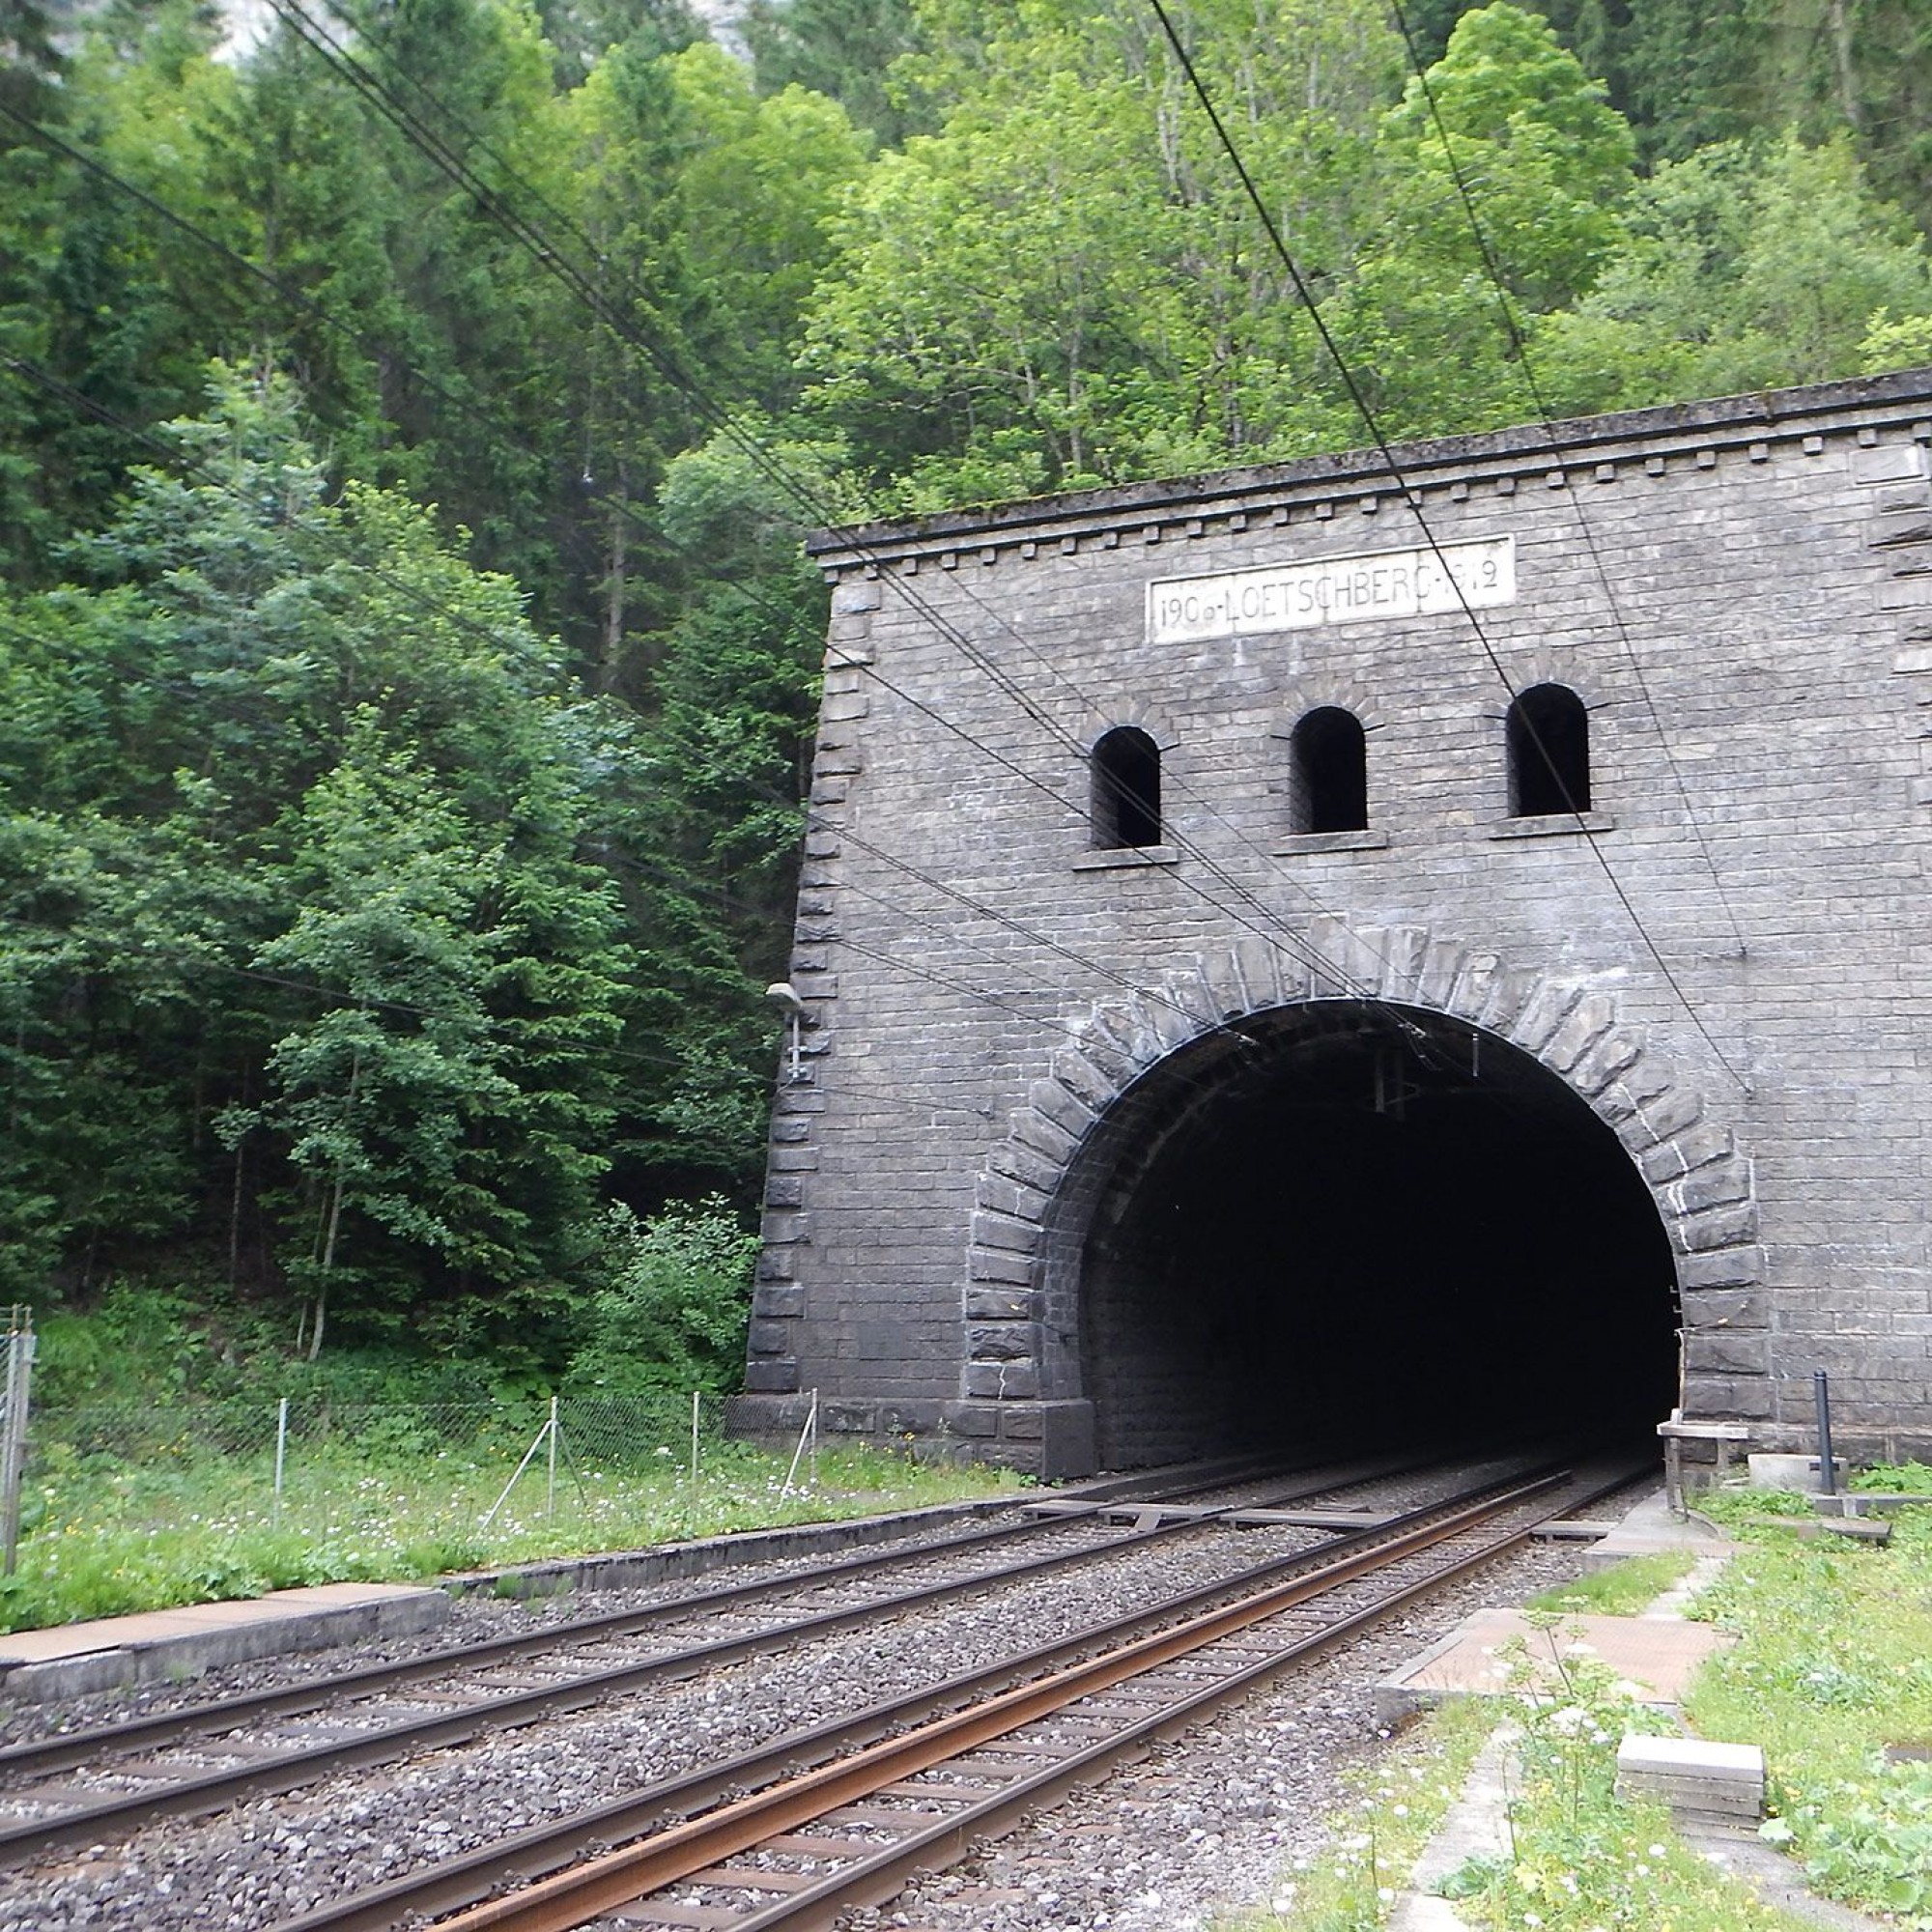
[{"x": 1417, "y": 582}]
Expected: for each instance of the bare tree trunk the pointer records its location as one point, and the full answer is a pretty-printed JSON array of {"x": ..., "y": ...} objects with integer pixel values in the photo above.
[
  {"x": 1840, "y": 17},
  {"x": 613, "y": 587},
  {"x": 334, "y": 1221},
  {"x": 235, "y": 1217}
]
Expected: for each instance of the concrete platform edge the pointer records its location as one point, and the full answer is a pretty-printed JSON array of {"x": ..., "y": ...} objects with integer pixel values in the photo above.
[
  {"x": 182, "y": 1655},
  {"x": 275, "y": 1632}
]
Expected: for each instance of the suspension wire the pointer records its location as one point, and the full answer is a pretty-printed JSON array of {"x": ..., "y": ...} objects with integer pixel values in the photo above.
[
  {"x": 373, "y": 89},
  {"x": 491, "y": 205},
  {"x": 1304, "y": 954},
  {"x": 1021, "y": 694},
  {"x": 1412, "y": 498},
  {"x": 1526, "y": 362},
  {"x": 553, "y": 261},
  {"x": 802, "y": 493},
  {"x": 485, "y": 1023}
]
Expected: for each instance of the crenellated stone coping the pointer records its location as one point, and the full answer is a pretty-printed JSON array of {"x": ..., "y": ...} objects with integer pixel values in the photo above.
[
  {"x": 1886, "y": 420},
  {"x": 1704, "y": 1187}
]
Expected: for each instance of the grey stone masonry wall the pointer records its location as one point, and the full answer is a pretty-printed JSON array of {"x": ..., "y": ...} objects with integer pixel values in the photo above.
[{"x": 1740, "y": 592}]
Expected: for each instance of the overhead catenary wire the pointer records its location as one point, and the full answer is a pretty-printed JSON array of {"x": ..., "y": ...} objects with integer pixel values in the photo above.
[
  {"x": 1411, "y": 499},
  {"x": 1526, "y": 362},
  {"x": 552, "y": 260},
  {"x": 1281, "y": 941},
  {"x": 436, "y": 607},
  {"x": 1276, "y": 939}
]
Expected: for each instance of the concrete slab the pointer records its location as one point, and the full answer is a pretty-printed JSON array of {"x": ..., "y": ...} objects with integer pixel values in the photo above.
[
  {"x": 1476, "y": 1826},
  {"x": 1739, "y": 1852},
  {"x": 1651, "y": 1526},
  {"x": 1654, "y": 1657},
  {"x": 1694, "y": 1774},
  {"x": 160, "y": 1646},
  {"x": 1656, "y": 1653}
]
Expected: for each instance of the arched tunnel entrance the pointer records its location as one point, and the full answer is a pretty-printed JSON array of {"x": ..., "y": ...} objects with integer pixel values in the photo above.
[{"x": 1352, "y": 1221}]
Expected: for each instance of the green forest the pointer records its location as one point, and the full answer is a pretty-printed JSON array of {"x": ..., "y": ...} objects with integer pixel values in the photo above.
[{"x": 408, "y": 423}]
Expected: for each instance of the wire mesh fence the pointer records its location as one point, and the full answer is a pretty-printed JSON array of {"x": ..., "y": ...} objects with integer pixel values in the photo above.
[{"x": 317, "y": 1468}]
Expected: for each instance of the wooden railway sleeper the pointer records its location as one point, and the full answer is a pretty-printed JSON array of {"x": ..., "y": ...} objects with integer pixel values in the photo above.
[
  {"x": 667, "y": 1858},
  {"x": 79, "y": 1748},
  {"x": 467, "y": 1877}
]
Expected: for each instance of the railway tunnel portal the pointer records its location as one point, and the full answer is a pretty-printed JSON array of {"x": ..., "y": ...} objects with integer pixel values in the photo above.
[
  {"x": 1241, "y": 989},
  {"x": 1353, "y": 1220}
]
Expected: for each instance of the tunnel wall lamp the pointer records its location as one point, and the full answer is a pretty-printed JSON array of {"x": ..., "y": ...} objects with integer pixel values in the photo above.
[{"x": 783, "y": 995}]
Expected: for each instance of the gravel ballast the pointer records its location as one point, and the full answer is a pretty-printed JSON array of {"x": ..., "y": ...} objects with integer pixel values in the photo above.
[{"x": 1212, "y": 1817}]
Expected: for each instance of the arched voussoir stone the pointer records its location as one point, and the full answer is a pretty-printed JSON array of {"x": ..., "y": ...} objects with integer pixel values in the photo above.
[{"x": 1704, "y": 1188}]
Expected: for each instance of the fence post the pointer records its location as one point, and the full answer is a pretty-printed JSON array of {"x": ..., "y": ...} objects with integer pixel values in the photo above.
[
  {"x": 808, "y": 1434},
  {"x": 695, "y": 1397},
  {"x": 14, "y": 1429},
  {"x": 281, "y": 1458},
  {"x": 550, "y": 1495}
]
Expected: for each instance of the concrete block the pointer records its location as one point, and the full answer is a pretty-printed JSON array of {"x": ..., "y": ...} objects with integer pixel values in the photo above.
[
  {"x": 1773, "y": 1471},
  {"x": 1690, "y": 1774}
]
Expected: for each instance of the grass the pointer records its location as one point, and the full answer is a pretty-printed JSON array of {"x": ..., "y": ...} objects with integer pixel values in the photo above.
[
  {"x": 1834, "y": 1666},
  {"x": 1580, "y": 1858},
  {"x": 1832, "y": 1674},
  {"x": 112, "y": 1537},
  {"x": 1390, "y": 1810},
  {"x": 1618, "y": 1590}
]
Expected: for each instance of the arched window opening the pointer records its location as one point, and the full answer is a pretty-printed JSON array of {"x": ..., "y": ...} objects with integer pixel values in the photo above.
[
  {"x": 1548, "y": 745},
  {"x": 1127, "y": 790},
  {"x": 1328, "y": 773}
]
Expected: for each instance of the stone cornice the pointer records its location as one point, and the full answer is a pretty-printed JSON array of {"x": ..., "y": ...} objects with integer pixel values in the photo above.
[{"x": 1554, "y": 455}]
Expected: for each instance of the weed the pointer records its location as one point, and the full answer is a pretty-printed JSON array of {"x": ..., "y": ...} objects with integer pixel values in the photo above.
[
  {"x": 191, "y": 1524},
  {"x": 1620, "y": 1590},
  {"x": 1899, "y": 1479}
]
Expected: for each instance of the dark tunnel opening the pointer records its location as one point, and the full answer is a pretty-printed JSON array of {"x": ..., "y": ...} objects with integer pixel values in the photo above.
[{"x": 1359, "y": 1224}]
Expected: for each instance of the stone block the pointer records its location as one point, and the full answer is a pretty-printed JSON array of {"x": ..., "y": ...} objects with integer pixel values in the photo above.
[
  {"x": 1000, "y": 1195},
  {"x": 1726, "y": 1308},
  {"x": 771, "y": 1377},
  {"x": 843, "y": 1418},
  {"x": 1692, "y": 1775},
  {"x": 1000, "y": 1265},
  {"x": 1719, "y": 1227},
  {"x": 1726, "y": 1352},
  {"x": 1003, "y": 1382},
  {"x": 1713, "y": 1397},
  {"x": 1888, "y": 463},
  {"x": 997, "y": 1231},
  {"x": 1001, "y": 1304},
  {"x": 1001, "y": 1341},
  {"x": 910, "y": 1418},
  {"x": 1715, "y": 1187},
  {"x": 1721, "y": 1267}
]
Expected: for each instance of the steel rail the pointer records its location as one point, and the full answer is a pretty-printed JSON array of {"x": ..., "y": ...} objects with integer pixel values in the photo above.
[
  {"x": 42, "y": 1756},
  {"x": 471, "y": 1876},
  {"x": 310, "y": 1759},
  {"x": 877, "y": 1879},
  {"x": 624, "y": 1877}
]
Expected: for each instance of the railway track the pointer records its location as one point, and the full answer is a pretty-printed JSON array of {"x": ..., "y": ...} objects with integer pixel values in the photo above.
[
  {"x": 842, "y": 1815},
  {"x": 85, "y": 1786}
]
